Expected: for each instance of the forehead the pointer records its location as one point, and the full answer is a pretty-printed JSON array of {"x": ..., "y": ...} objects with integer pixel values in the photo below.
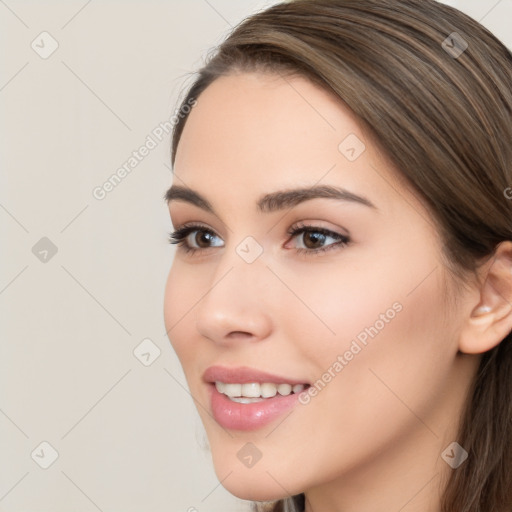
[
  {"x": 257, "y": 132},
  {"x": 254, "y": 123},
  {"x": 259, "y": 107}
]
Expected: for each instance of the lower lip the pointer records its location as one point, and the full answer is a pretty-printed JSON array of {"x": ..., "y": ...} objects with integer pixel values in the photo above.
[{"x": 237, "y": 416}]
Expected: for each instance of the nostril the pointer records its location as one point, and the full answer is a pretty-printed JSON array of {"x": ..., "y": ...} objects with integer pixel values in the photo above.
[{"x": 239, "y": 334}]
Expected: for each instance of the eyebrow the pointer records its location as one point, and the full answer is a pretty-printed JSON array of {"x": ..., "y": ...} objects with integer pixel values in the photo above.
[{"x": 274, "y": 201}]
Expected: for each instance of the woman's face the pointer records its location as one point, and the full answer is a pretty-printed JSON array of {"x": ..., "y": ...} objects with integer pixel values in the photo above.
[{"x": 354, "y": 306}]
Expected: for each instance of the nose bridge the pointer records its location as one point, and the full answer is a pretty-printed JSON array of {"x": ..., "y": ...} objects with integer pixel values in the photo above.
[
  {"x": 238, "y": 297},
  {"x": 243, "y": 266}
]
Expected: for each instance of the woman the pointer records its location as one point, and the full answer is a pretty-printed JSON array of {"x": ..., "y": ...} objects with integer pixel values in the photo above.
[{"x": 341, "y": 296}]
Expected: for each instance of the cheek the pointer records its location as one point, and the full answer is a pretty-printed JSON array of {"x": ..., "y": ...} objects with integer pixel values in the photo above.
[
  {"x": 394, "y": 350},
  {"x": 362, "y": 295},
  {"x": 374, "y": 339},
  {"x": 339, "y": 303},
  {"x": 180, "y": 297}
]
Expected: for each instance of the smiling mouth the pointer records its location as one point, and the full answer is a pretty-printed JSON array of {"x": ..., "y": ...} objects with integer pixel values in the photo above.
[
  {"x": 252, "y": 392},
  {"x": 244, "y": 398}
]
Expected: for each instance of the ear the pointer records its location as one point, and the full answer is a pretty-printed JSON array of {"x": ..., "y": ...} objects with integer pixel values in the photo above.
[{"x": 490, "y": 320}]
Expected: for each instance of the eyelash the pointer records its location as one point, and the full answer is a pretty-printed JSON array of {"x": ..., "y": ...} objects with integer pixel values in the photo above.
[{"x": 179, "y": 237}]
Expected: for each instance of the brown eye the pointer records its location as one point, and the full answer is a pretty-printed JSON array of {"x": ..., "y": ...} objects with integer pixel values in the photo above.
[
  {"x": 314, "y": 239},
  {"x": 193, "y": 238},
  {"x": 201, "y": 237}
]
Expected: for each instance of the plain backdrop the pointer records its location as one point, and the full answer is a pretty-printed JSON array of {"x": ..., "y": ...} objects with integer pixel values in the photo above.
[{"x": 94, "y": 410}]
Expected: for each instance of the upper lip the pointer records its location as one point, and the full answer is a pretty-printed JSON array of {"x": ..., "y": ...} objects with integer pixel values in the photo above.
[{"x": 244, "y": 375}]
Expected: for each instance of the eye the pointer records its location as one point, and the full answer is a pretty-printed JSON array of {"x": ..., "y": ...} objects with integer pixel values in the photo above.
[
  {"x": 314, "y": 237},
  {"x": 194, "y": 238},
  {"x": 191, "y": 237}
]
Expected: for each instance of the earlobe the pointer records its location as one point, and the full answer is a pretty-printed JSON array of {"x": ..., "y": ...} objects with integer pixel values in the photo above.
[{"x": 490, "y": 321}]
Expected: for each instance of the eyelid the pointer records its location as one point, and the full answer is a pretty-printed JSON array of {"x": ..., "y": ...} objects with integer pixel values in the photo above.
[{"x": 312, "y": 225}]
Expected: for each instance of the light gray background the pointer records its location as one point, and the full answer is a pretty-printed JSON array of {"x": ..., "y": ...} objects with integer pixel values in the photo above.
[{"x": 127, "y": 435}]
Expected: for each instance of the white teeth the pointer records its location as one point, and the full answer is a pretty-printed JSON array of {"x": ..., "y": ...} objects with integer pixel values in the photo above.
[
  {"x": 284, "y": 389},
  {"x": 251, "y": 390},
  {"x": 243, "y": 400},
  {"x": 232, "y": 389},
  {"x": 254, "y": 392},
  {"x": 298, "y": 388},
  {"x": 268, "y": 390}
]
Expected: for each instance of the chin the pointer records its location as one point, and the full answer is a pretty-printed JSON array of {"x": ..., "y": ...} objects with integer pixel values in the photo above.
[
  {"x": 260, "y": 483},
  {"x": 245, "y": 488}
]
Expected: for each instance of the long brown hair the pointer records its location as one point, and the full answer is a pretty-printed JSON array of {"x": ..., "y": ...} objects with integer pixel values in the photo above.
[{"x": 441, "y": 112}]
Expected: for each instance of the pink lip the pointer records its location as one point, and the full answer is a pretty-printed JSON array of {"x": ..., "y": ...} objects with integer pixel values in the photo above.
[
  {"x": 238, "y": 416},
  {"x": 244, "y": 375}
]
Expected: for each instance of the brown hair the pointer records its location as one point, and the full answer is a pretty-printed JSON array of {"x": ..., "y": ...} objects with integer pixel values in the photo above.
[{"x": 444, "y": 120}]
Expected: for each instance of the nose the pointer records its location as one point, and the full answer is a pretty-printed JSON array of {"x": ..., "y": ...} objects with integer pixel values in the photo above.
[{"x": 236, "y": 305}]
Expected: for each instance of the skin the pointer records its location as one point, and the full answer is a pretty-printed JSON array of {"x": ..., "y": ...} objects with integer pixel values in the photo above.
[{"x": 372, "y": 438}]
